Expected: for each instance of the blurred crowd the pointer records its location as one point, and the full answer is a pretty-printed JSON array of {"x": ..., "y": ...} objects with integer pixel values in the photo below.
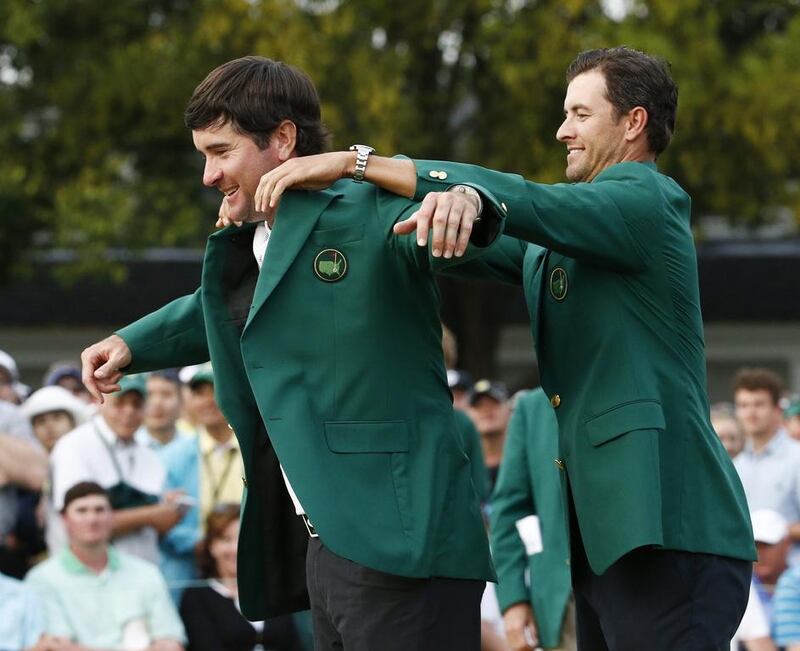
[{"x": 130, "y": 508}]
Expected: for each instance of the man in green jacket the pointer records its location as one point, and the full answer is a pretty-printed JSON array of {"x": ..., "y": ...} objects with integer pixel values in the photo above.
[
  {"x": 324, "y": 334},
  {"x": 659, "y": 529},
  {"x": 529, "y": 539}
]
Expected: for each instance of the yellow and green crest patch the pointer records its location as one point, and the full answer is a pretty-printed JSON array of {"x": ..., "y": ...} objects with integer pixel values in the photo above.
[
  {"x": 559, "y": 282},
  {"x": 330, "y": 265}
]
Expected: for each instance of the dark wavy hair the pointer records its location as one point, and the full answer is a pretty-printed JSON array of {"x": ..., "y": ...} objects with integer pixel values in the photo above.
[
  {"x": 255, "y": 94},
  {"x": 216, "y": 523},
  {"x": 633, "y": 79}
]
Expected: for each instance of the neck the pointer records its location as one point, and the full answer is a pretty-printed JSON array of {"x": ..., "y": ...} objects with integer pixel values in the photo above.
[
  {"x": 95, "y": 557},
  {"x": 162, "y": 434},
  {"x": 492, "y": 444},
  {"x": 761, "y": 439},
  {"x": 220, "y": 433},
  {"x": 230, "y": 584}
]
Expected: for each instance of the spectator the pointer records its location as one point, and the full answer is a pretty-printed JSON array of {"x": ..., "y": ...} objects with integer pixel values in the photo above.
[
  {"x": 211, "y": 613},
  {"x": 53, "y": 411},
  {"x": 23, "y": 467},
  {"x": 105, "y": 450},
  {"x": 460, "y": 384},
  {"x": 21, "y": 617},
  {"x": 754, "y": 631},
  {"x": 528, "y": 532},
  {"x": 209, "y": 468},
  {"x": 67, "y": 376},
  {"x": 771, "y": 533},
  {"x": 490, "y": 411},
  {"x": 11, "y": 389},
  {"x": 792, "y": 419},
  {"x": 769, "y": 465},
  {"x": 729, "y": 430},
  {"x": 162, "y": 409},
  {"x": 99, "y": 597}
]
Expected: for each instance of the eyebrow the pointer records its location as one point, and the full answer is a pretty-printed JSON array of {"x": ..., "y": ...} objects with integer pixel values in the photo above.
[{"x": 577, "y": 107}]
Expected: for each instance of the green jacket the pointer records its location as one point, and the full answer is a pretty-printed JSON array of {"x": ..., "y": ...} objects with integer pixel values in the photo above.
[
  {"x": 471, "y": 442},
  {"x": 529, "y": 484},
  {"x": 348, "y": 379},
  {"x": 615, "y": 311}
]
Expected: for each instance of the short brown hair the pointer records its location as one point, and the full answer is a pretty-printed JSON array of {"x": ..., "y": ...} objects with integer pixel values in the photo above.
[
  {"x": 255, "y": 94},
  {"x": 633, "y": 79},
  {"x": 83, "y": 489},
  {"x": 759, "y": 379},
  {"x": 216, "y": 523}
]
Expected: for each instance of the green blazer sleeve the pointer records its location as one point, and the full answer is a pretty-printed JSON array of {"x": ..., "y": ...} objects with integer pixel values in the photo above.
[
  {"x": 173, "y": 335},
  {"x": 502, "y": 263},
  {"x": 610, "y": 222},
  {"x": 512, "y": 500},
  {"x": 393, "y": 208}
]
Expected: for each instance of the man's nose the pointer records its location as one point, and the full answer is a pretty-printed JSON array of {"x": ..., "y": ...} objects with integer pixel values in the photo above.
[
  {"x": 565, "y": 131},
  {"x": 211, "y": 174}
]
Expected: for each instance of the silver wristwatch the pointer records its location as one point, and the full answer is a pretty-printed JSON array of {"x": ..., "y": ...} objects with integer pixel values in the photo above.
[
  {"x": 362, "y": 156},
  {"x": 467, "y": 189}
]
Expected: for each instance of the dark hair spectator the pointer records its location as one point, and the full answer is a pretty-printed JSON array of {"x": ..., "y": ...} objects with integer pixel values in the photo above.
[{"x": 759, "y": 379}]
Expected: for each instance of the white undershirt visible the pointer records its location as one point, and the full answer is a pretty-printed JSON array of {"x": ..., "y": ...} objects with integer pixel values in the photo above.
[{"x": 260, "y": 243}]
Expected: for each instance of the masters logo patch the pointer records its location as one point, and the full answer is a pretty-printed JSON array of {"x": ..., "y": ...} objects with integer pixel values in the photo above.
[
  {"x": 330, "y": 265},
  {"x": 559, "y": 283}
]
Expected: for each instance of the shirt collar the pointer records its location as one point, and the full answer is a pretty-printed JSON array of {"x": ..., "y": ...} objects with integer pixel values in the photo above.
[
  {"x": 109, "y": 435},
  {"x": 209, "y": 444},
  {"x": 775, "y": 444},
  {"x": 73, "y": 564}
]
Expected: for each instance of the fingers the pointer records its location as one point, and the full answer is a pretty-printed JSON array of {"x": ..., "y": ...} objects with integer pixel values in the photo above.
[
  {"x": 407, "y": 226},
  {"x": 424, "y": 217},
  {"x": 90, "y": 360}
]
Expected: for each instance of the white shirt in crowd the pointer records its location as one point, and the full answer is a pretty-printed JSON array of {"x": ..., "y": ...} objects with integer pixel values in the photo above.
[{"x": 81, "y": 455}]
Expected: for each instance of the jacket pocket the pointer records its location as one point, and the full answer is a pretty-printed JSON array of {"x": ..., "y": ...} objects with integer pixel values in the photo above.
[
  {"x": 628, "y": 417},
  {"x": 364, "y": 437},
  {"x": 339, "y": 235}
]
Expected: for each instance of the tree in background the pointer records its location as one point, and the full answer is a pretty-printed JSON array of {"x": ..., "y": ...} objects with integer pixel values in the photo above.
[{"x": 95, "y": 155}]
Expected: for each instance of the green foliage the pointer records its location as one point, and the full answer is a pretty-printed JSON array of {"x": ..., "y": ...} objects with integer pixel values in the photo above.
[{"x": 95, "y": 155}]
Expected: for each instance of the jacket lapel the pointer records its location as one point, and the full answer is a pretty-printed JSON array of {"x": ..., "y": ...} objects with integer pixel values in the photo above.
[
  {"x": 537, "y": 288},
  {"x": 297, "y": 215}
]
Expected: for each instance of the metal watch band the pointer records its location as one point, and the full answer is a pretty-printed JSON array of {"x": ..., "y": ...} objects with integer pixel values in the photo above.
[
  {"x": 362, "y": 156},
  {"x": 466, "y": 189}
]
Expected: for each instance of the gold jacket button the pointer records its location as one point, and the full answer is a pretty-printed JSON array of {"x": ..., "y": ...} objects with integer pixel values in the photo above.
[
  {"x": 555, "y": 401},
  {"x": 434, "y": 174},
  {"x": 560, "y": 464}
]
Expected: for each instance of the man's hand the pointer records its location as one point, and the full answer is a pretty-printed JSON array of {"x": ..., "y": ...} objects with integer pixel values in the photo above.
[
  {"x": 452, "y": 215},
  {"x": 165, "y": 515},
  {"x": 315, "y": 172},
  {"x": 102, "y": 363},
  {"x": 520, "y": 627}
]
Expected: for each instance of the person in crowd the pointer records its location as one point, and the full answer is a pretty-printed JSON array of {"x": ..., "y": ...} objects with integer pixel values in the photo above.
[
  {"x": 21, "y": 617},
  {"x": 771, "y": 533},
  {"x": 609, "y": 268},
  {"x": 209, "y": 468},
  {"x": 769, "y": 465},
  {"x": 23, "y": 471},
  {"x": 53, "y": 411},
  {"x": 96, "y": 596},
  {"x": 791, "y": 417},
  {"x": 105, "y": 450},
  {"x": 786, "y": 610},
  {"x": 67, "y": 375},
  {"x": 754, "y": 632},
  {"x": 460, "y": 383},
  {"x": 163, "y": 407},
  {"x": 529, "y": 540},
  {"x": 490, "y": 410},
  {"x": 299, "y": 313},
  {"x": 11, "y": 389},
  {"x": 211, "y": 613},
  {"x": 728, "y": 428}
]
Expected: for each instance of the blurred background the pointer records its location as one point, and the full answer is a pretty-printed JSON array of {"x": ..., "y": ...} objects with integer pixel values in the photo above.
[{"x": 103, "y": 217}]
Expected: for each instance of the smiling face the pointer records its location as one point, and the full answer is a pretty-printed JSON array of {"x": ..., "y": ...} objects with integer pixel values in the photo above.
[
  {"x": 595, "y": 137},
  {"x": 235, "y": 165}
]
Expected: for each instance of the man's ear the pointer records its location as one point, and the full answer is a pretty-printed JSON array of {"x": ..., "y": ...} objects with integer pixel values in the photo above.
[
  {"x": 635, "y": 123},
  {"x": 285, "y": 138}
]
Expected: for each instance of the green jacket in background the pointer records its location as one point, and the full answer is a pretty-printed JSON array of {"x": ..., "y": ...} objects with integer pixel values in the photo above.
[
  {"x": 330, "y": 361},
  {"x": 529, "y": 484},
  {"x": 615, "y": 311}
]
